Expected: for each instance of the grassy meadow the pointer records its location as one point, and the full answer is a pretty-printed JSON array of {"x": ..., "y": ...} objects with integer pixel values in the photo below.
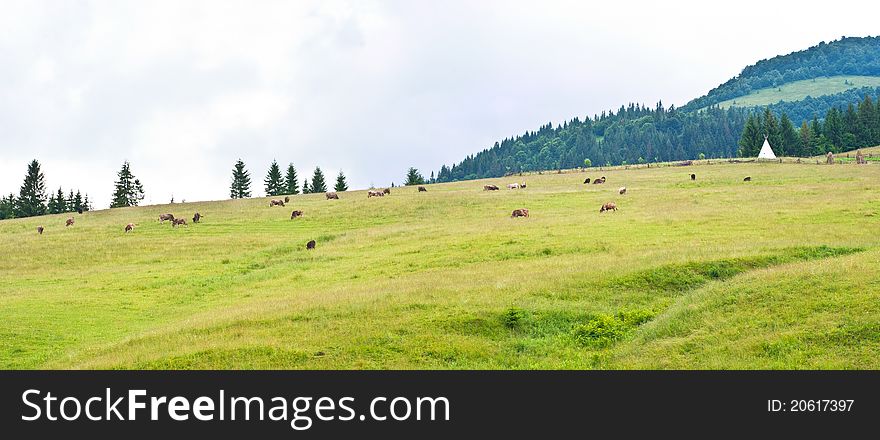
[
  {"x": 797, "y": 90},
  {"x": 717, "y": 273}
]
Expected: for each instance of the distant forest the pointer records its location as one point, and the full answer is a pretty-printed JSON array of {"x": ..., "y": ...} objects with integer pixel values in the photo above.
[{"x": 639, "y": 134}]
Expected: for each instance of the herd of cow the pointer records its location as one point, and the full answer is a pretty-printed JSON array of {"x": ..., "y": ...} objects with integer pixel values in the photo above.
[{"x": 521, "y": 212}]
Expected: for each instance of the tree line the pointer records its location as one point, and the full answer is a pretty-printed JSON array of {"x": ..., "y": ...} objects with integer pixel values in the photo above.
[
  {"x": 277, "y": 184},
  {"x": 33, "y": 199}
]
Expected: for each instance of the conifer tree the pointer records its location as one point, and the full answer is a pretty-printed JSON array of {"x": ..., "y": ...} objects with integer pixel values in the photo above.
[
  {"x": 7, "y": 206},
  {"x": 790, "y": 145},
  {"x": 291, "y": 184},
  {"x": 128, "y": 190},
  {"x": 274, "y": 182},
  {"x": 318, "y": 183},
  {"x": 77, "y": 204},
  {"x": 241, "y": 182},
  {"x": 806, "y": 140},
  {"x": 752, "y": 138},
  {"x": 306, "y": 188},
  {"x": 32, "y": 195},
  {"x": 61, "y": 204},
  {"x": 414, "y": 177},
  {"x": 341, "y": 185}
]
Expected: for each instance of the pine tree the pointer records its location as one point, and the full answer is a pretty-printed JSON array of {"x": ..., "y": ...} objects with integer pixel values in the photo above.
[
  {"x": 306, "y": 188},
  {"x": 7, "y": 206},
  {"x": 128, "y": 190},
  {"x": 341, "y": 184},
  {"x": 772, "y": 130},
  {"x": 806, "y": 140},
  {"x": 241, "y": 182},
  {"x": 61, "y": 204},
  {"x": 752, "y": 138},
  {"x": 32, "y": 195},
  {"x": 291, "y": 184},
  {"x": 77, "y": 204},
  {"x": 87, "y": 205},
  {"x": 414, "y": 177},
  {"x": 68, "y": 206},
  {"x": 52, "y": 205},
  {"x": 274, "y": 182},
  {"x": 318, "y": 183},
  {"x": 790, "y": 145}
]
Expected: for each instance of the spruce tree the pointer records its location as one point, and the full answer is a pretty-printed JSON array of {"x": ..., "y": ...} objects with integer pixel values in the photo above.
[
  {"x": 69, "y": 202},
  {"x": 274, "y": 182},
  {"x": 806, "y": 140},
  {"x": 291, "y": 184},
  {"x": 306, "y": 188},
  {"x": 32, "y": 195},
  {"x": 772, "y": 130},
  {"x": 61, "y": 204},
  {"x": 77, "y": 204},
  {"x": 87, "y": 205},
  {"x": 128, "y": 190},
  {"x": 341, "y": 185},
  {"x": 790, "y": 145},
  {"x": 241, "y": 182},
  {"x": 318, "y": 183},
  {"x": 7, "y": 206},
  {"x": 752, "y": 138},
  {"x": 414, "y": 177}
]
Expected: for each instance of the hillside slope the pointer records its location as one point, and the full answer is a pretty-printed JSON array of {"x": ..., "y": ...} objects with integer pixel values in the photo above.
[
  {"x": 712, "y": 273},
  {"x": 798, "y": 90}
]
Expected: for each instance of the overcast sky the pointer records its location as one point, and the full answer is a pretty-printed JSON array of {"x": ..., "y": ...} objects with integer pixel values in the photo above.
[{"x": 182, "y": 89}]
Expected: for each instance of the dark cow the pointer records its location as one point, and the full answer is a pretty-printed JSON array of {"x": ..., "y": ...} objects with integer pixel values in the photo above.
[
  {"x": 423, "y": 189},
  {"x": 40, "y": 230},
  {"x": 310, "y": 245},
  {"x": 522, "y": 185},
  {"x": 693, "y": 177},
  {"x": 178, "y": 221},
  {"x": 386, "y": 191},
  {"x": 599, "y": 181},
  {"x": 197, "y": 217},
  {"x": 621, "y": 190},
  {"x": 163, "y": 217},
  {"x": 79, "y": 210},
  {"x": 68, "y": 222},
  {"x": 610, "y": 206},
  {"x": 295, "y": 214},
  {"x": 747, "y": 179},
  {"x": 522, "y": 212},
  {"x": 286, "y": 199},
  {"x": 276, "y": 202},
  {"x": 332, "y": 195},
  {"x": 129, "y": 227},
  {"x": 586, "y": 181},
  {"x": 490, "y": 188}
]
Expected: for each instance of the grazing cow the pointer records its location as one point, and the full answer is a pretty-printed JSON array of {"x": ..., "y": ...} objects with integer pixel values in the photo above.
[
  {"x": 79, "y": 210},
  {"x": 693, "y": 177},
  {"x": 586, "y": 181},
  {"x": 512, "y": 185},
  {"x": 610, "y": 206},
  {"x": 40, "y": 230},
  {"x": 423, "y": 189},
  {"x": 295, "y": 214},
  {"x": 386, "y": 191},
  {"x": 197, "y": 217},
  {"x": 163, "y": 217},
  {"x": 331, "y": 195},
  {"x": 522, "y": 185},
  {"x": 372, "y": 193},
  {"x": 310, "y": 245},
  {"x": 490, "y": 188},
  {"x": 276, "y": 202},
  {"x": 747, "y": 179},
  {"x": 129, "y": 227},
  {"x": 599, "y": 180},
  {"x": 522, "y": 212},
  {"x": 68, "y": 222},
  {"x": 178, "y": 221},
  {"x": 622, "y": 190},
  {"x": 286, "y": 199}
]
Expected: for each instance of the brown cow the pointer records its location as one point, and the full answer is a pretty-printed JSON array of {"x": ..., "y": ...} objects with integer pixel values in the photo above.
[
  {"x": 129, "y": 227},
  {"x": 79, "y": 210},
  {"x": 295, "y": 214},
  {"x": 386, "y": 191},
  {"x": 829, "y": 158},
  {"x": 178, "y": 221},
  {"x": 747, "y": 179},
  {"x": 276, "y": 202},
  {"x": 693, "y": 177},
  {"x": 622, "y": 190},
  {"x": 40, "y": 230},
  {"x": 331, "y": 195},
  {"x": 610, "y": 206},
  {"x": 68, "y": 222},
  {"x": 598, "y": 181},
  {"x": 310, "y": 245},
  {"x": 372, "y": 193},
  {"x": 197, "y": 217},
  {"x": 163, "y": 217},
  {"x": 490, "y": 188},
  {"x": 522, "y": 212},
  {"x": 423, "y": 189},
  {"x": 286, "y": 199}
]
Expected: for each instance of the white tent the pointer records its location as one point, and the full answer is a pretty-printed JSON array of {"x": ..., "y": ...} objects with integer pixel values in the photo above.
[{"x": 766, "y": 151}]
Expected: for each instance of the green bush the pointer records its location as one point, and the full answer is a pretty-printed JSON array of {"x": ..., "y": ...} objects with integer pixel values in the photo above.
[
  {"x": 514, "y": 317},
  {"x": 600, "y": 331}
]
